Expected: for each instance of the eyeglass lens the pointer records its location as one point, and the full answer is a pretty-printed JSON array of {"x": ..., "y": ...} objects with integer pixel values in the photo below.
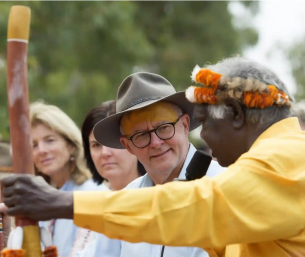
[{"x": 164, "y": 132}]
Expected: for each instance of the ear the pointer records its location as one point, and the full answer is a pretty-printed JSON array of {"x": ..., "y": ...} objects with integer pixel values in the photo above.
[
  {"x": 124, "y": 142},
  {"x": 236, "y": 114},
  {"x": 71, "y": 148},
  {"x": 186, "y": 123}
]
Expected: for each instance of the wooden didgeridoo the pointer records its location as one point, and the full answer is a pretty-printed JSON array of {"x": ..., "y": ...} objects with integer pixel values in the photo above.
[{"x": 18, "y": 104}]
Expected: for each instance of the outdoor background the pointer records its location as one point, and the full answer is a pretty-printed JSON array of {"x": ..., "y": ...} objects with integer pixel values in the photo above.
[{"x": 79, "y": 52}]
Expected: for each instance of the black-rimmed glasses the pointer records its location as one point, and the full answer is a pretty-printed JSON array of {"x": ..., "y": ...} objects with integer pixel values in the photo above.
[{"x": 164, "y": 131}]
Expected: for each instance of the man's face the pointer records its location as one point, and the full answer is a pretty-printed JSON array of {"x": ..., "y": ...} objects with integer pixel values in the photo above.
[
  {"x": 220, "y": 135},
  {"x": 161, "y": 157}
]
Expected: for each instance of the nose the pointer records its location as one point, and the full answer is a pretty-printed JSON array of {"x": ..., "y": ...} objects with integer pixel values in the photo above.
[
  {"x": 155, "y": 141},
  {"x": 106, "y": 151},
  {"x": 41, "y": 148}
]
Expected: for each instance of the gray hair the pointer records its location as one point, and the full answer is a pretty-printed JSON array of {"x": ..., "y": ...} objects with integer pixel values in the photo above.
[
  {"x": 243, "y": 68},
  {"x": 298, "y": 109}
]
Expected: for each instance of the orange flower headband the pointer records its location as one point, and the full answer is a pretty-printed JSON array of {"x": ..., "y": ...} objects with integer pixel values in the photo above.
[{"x": 251, "y": 92}]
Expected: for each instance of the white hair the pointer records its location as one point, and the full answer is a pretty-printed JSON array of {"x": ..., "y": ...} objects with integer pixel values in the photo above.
[{"x": 298, "y": 109}]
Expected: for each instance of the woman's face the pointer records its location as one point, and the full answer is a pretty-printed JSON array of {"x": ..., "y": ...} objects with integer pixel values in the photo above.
[
  {"x": 112, "y": 163},
  {"x": 51, "y": 152}
]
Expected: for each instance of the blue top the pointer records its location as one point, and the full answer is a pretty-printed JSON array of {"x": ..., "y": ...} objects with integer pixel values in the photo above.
[
  {"x": 64, "y": 231},
  {"x": 101, "y": 246}
]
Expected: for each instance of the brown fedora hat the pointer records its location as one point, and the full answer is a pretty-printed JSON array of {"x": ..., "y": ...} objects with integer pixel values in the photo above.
[{"x": 137, "y": 91}]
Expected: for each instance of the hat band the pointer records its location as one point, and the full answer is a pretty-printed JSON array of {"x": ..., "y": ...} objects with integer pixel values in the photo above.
[{"x": 140, "y": 101}]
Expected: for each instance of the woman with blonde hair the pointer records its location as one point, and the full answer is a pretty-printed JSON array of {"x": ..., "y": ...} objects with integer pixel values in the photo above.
[{"x": 58, "y": 157}]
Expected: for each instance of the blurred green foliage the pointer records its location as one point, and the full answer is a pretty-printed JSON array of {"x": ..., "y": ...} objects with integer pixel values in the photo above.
[
  {"x": 296, "y": 56},
  {"x": 79, "y": 52}
]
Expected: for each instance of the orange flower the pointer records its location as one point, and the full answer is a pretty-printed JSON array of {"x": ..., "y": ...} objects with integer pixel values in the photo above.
[
  {"x": 12, "y": 253},
  {"x": 284, "y": 96},
  {"x": 205, "y": 95},
  {"x": 50, "y": 251},
  {"x": 278, "y": 94},
  {"x": 257, "y": 100},
  {"x": 267, "y": 100},
  {"x": 274, "y": 92},
  {"x": 208, "y": 78}
]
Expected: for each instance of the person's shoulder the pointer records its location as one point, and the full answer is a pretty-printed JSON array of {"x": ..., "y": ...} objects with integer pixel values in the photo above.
[
  {"x": 90, "y": 185},
  {"x": 214, "y": 169},
  {"x": 103, "y": 187},
  {"x": 279, "y": 146},
  {"x": 135, "y": 183}
]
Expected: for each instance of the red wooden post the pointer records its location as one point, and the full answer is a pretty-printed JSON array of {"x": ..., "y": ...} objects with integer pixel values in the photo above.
[{"x": 18, "y": 103}]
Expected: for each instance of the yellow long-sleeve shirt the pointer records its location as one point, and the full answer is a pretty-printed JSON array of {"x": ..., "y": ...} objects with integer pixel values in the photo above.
[{"x": 255, "y": 208}]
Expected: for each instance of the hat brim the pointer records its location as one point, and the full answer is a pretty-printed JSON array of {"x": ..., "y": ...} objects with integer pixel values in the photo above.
[{"x": 107, "y": 131}]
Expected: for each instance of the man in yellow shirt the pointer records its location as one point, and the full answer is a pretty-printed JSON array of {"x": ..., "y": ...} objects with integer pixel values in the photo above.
[{"x": 255, "y": 208}]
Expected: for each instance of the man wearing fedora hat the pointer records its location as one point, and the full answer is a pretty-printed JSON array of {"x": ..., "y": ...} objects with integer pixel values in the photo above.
[{"x": 152, "y": 122}]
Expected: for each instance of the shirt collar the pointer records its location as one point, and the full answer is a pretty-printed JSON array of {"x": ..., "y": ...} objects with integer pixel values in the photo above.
[
  {"x": 188, "y": 158},
  {"x": 67, "y": 186}
]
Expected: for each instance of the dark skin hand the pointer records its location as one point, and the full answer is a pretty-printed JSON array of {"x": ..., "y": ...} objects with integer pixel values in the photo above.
[{"x": 32, "y": 197}]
